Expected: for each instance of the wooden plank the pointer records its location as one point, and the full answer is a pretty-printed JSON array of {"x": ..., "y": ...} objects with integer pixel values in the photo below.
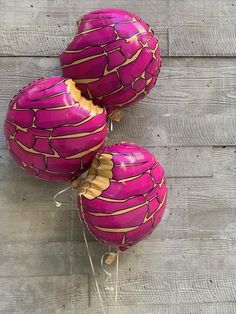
[
  {"x": 45, "y": 294},
  {"x": 201, "y": 123},
  {"x": 155, "y": 12},
  {"x": 52, "y": 258},
  {"x": 210, "y": 204},
  {"x": 184, "y": 161},
  {"x": 176, "y": 92},
  {"x": 32, "y": 194},
  {"x": 31, "y": 226},
  {"x": 174, "y": 41},
  {"x": 194, "y": 308},
  {"x": 167, "y": 287},
  {"x": 224, "y": 160},
  {"x": 171, "y": 130},
  {"x": 183, "y": 41},
  {"x": 177, "y": 162},
  {"x": 154, "y": 253},
  {"x": 48, "y": 40},
  {"x": 150, "y": 129},
  {"x": 202, "y": 41},
  {"x": 194, "y": 85}
]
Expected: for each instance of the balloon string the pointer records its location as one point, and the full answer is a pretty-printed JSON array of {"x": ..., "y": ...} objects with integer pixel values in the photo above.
[
  {"x": 109, "y": 275},
  {"x": 117, "y": 278},
  {"x": 91, "y": 262},
  {"x": 58, "y": 204},
  {"x": 110, "y": 125}
]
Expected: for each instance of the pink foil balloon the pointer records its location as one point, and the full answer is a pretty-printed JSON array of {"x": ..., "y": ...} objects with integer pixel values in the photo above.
[
  {"x": 52, "y": 131},
  {"x": 123, "y": 196},
  {"x": 114, "y": 58}
]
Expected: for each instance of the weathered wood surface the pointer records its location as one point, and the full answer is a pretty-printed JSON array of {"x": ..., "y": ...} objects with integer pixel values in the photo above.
[
  {"x": 202, "y": 41},
  {"x": 49, "y": 40},
  {"x": 193, "y": 103},
  {"x": 158, "y": 287},
  {"x": 177, "y": 41},
  {"x": 188, "y": 121},
  {"x": 44, "y": 294},
  {"x": 162, "y": 12},
  {"x": 193, "y": 162}
]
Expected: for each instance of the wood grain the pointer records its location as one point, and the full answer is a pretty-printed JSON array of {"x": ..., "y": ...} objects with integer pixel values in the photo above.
[
  {"x": 48, "y": 40},
  {"x": 156, "y": 12},
  {"x": 36, "y": 259},
  {"x": 172, "y": 288},
  {"x": 162, "y": 254},
  {"x": 44, "y": 294},
  {"x": 177, "y": 161},
  {"x": 186, "y": 85},
  {"x": 35, "y": 226},
  {"x": 186, "y": 117},
  {"x": 194, "y": 308},
  {"x": 171, "y": 130},
  {"x": 202, "y": 41},
  {"x": 174, "y": 41}
]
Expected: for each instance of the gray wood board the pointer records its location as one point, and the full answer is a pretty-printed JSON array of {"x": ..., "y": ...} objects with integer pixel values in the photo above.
[
  {"x": 44, "y": 294},
  {"x": 166, "y": 287},
  {"x": 174, "y": 41},
  {"x": 202, "y": 41},
  {"x": 177, "y": 162},
  {"x": 198, "y": 111},
  {"x": 188, "y": 85},
  {"x": 155, "y": 12},
  {"x": 49, "y": 40}
]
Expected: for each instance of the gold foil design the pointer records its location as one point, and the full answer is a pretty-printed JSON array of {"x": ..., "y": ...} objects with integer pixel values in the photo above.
[
  {"x": 99, "y": 176},
  {"x": 83, "y": 102}
]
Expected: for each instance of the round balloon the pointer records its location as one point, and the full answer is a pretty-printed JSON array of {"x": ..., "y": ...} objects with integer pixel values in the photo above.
[
  {"x": 52, "y": 131},
  {"x": 124, "y": 195},
  {"x": 114, "y": 58}
]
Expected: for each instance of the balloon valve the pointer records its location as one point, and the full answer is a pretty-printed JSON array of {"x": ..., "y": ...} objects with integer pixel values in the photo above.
[
  {"x": 76, "y": 183},
  {"x": 111, "y": 258},
  {"x": 116, "y": 115}
]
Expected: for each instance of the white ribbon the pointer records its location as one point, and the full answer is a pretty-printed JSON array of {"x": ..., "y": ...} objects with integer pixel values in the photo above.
[{"x": 109, "y": 275}]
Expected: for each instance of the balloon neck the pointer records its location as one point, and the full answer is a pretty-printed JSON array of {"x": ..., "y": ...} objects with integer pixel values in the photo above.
[
  {"x": 76, "y": 183},
  {"x": 112, "y": 257},
  {"x": 116, "y": 115}
]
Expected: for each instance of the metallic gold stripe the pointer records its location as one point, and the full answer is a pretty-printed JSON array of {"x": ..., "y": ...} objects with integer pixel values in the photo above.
[
  {"x": 82, "y": 60},
  {"x": 115, "y": 200},
  {"x": 31, "y": 150},
  {"x": 49, "y": 97},
  {"x": 127, "y": 179},
  {"x": 159, "y": 207},
  {"x": 116, "y": 229},
  {"x": 86, "y": 152},
  {"x": 119, "y": 212},
  {"x": 77, "y": 135}
]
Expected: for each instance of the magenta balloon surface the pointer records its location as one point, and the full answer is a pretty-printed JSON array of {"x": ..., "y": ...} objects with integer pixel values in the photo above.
[
  {"x": 114, "y": 58},
  {"x": 123, "y": 196},
  {"x": 52, "y": 131}
]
